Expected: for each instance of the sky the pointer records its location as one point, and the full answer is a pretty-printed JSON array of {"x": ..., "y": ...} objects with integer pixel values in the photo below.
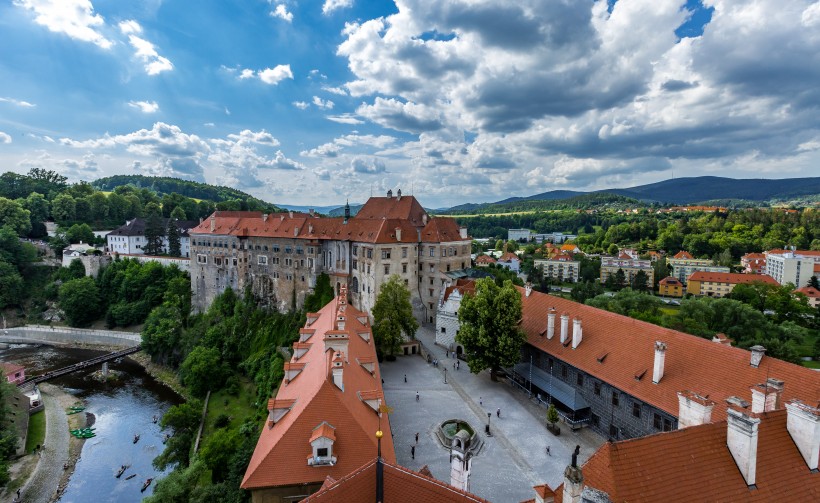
[{"x": 315, "y": 102}]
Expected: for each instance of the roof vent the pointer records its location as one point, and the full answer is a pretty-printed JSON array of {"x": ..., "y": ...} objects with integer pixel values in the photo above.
[{"x": 757, "y": 355}]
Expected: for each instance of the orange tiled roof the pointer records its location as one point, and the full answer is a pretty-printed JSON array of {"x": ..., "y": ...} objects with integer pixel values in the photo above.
[
  {"x": 509, "y": 257},
  {"x": 691, "y": 362},
  {"x": 393, "y": 208},
  {"x": 694, "y": 464},
  {"x": 809, "y": 291},
  {"x": 463, "y": 285},
  {"x": 280, "y": 455},
  {"x": 401, "y": 485},
  {"x": 669, "y": 280},
  {"x": 568, "y": 247},
  {"x": 484, "y": 259},
  {"x": 731, "y": 278},
  {"x": 753, "y": 256},
  {"x": 683, "y": 255}
]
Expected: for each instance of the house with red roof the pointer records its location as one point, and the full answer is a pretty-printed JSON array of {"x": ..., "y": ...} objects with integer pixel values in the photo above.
[
  {"x": 683, "y": 264},
  {"x": 753, "y": 263},
  {"x": 670, "y": 287},
  {"x": 322, "y": 421},
  {"x": 484, "y": 261},
  {"x": 720, "y": 284},
  {"x": 280, "y": 256},
  {"x": 813, "y": 294},
  {"x": 510, "y": 261},
  {"x": 14, "y": 373}
]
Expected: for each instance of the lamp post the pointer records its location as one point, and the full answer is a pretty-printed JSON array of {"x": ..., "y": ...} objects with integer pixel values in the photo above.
[{"x": 445, "y": 375}]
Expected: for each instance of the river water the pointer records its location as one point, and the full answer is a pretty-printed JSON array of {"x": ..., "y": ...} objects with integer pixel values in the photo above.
[{"x": 121, "y": 408}]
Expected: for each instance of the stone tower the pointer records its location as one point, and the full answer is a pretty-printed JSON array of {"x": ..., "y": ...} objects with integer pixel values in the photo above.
[{"x": 460, "y": 461}]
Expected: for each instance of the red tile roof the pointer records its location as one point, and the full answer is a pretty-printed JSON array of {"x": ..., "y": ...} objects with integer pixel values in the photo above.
[
  {"x": 694, "y": 464},
  {"x": 509, "y": 257},
  {"x": 484, "y": 259},
  {"x": 683, "y": 255},
  {"x": 809, "y": 291},
  {"x": 11, "y": 368},
  {"x": 395, "y": 208},
  {"x": 669, "y": 280},
  {"x": 731, "y": 278},
  {"x": 806, "y": 253},
  {"x": 691, "y": 362},
  {"x": 401, "y": 485},
  {"x": 280, "y": 455},
  {"x": 463, "y": 285}
]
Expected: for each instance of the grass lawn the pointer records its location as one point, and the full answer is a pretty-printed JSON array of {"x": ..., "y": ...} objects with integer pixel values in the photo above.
[
  {"x": 671, "y": 311},
  {"x": 36, "y": 430},
  {"x": 238, "y": 407}
]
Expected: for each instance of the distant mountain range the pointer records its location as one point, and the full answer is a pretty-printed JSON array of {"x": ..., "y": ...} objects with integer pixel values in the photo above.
[{"x": 682, "y": 191}]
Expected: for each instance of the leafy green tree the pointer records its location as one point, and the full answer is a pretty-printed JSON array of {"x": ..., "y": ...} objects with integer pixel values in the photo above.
[
  {"x": 217, "y": 451},
  {"x": 38, "y": 207},
  {"x": 586, "y": 290},
  {"x": 321, "y": 295},
  {"x": 620, "y": 279},
  {"x": 183, "y": 420},
  {"x": 99, "y": 206},
  {"x": 153, "y": 235},
  {"x": 76, "y": 269},
  {"x": 178, "y": 486},
  {"x": 613, "y": 249},
  {"x": 512, "y": 245},
  {"x": 174, "y": 247},
  {"x": 12, "y": 214},
  {"x": 8, "y": 432},
  {"x": 639, "y": 282},
  {"x": 723, "y": 258},
  {"x": 79, "y": 233},
  {"x": 552, "y": 415},
  {"x": 178, "y": 213},
  {"x": 202, "y": 371},
  {"x": 14, "y": 251},
  {"x": 489, "y": 326},
  {"x": 80, "y": 300},
  {"x": 499, "y": 244},
  {"x": 393, "y": 315},
  {"x": 660, "y": 270},
  {"x": 162, "y": 333},
  {"x": 589, "y": 269},
  {"x": 82, "y": 207},
  {"x": 117, "y": 207},
  {"x": 814, "y": 282},
  {"x": 64, "y": 208},
  {"x": 11, "y": 285}
]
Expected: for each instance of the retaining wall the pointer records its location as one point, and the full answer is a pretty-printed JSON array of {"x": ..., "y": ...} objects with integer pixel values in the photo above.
[{"x": 63, "y": 336}]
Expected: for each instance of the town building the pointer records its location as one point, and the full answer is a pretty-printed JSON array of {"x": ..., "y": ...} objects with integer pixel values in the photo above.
[
  {"x": 553, "y": 237},
  {"x": 280, "y": 256},
  {"x": 484, "y": 261},
  {"x": 509, "y": 260},
  {"x": 323, "y": 420},
  {"x": 763, "y": 456},
  {"x": 629, "y": 266},
  {"x": 447, "y": 315},
  {"x": 670, "y": 287},
  {"x": 753, "y": 263},
  {"x": 720, "y": 284},
  {"x": 129, "y": 239},
  {"x": 792, "y": 266},
  {"x": 654, "y": 256},
  {"x": 813, "y": 295},
  {"x": 92, "y": 258},
  {"x": 563, "y": 268},
  {"x": 683, "y": 264},
  {"x": 14, "y": 373},
  {"x": 520, "y": 235}
]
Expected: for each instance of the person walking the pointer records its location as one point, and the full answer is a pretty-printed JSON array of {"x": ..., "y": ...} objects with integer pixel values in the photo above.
[
  {"x": 413, "y": 451},
  {"x": 454, "y": 365},
  {"x": 548, "y": 451},
  {"x": 405, "y": 377},
  {"x": 480, "y": 402},
  {"x": 458, "y": 364},
  {"x": 498, "y": 412},
  {"x": 417, "y": 396},
  {"x": 417, "y": 437}
]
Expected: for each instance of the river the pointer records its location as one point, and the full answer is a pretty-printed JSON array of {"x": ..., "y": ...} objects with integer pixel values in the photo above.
[{"x": 121, "y": 409}]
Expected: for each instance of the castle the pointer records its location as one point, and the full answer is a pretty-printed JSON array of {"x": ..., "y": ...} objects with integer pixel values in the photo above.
[{"x": 279, "y": 256}]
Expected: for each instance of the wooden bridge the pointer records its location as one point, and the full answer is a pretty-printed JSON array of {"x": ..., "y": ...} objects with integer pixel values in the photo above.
[{"x": 32, "y": 381}]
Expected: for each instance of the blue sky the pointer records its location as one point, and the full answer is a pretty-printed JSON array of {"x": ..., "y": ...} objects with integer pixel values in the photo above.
[{"x": 314, "y": 102}]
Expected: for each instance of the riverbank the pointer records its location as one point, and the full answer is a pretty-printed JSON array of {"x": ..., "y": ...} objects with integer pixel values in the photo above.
[{"x": 162, "y": 374}]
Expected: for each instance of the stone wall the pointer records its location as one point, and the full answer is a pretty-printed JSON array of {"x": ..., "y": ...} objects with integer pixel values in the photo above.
[{"x": 60, "y": 336}]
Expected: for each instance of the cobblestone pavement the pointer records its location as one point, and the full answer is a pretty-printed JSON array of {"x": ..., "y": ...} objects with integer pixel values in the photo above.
[
  {"x": 512, "y": 461},
  {"x": 42, "y": 485}
]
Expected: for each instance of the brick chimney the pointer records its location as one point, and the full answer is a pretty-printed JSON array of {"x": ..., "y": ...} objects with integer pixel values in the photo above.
[
  {"x": 398, "y": 195},
  {"x": 398, "y": 233},
  {"x": 551, "y": 323},
  {"x": 213, "y": 222},
  {"x": 337, "y": 369},
  {"x": 741, "y": 438},
  {"x": 766, "y": 396},
  {"x": 660, "y": 360},
  {"x": 389, "y": 193},
  {"x": 576, "y": 332},
  {"x": 564, "y": 326},
  {"x": 803, "y": 423},
  {"x": 757, "y": 355},
  {"x": 693, "y": 409},
  {"x": 527, "y": 289}
]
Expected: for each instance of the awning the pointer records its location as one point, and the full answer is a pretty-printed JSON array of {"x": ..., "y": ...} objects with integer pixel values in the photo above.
[{"x": 559, "y": 390}]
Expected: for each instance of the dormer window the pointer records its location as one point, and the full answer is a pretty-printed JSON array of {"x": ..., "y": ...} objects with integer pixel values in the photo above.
[{"x": 321, "y": 442}]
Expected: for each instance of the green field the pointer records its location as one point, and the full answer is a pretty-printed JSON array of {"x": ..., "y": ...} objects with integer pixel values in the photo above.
[{"x": 36, "y": 430}]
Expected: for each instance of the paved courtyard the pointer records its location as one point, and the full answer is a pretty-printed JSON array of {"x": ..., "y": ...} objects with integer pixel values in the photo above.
[{"x": 512, "y": 461}]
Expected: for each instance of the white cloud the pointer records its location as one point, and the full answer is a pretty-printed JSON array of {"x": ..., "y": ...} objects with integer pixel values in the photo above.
[
  {"x": 19, "y": 103},
  {"x": 74, "y": 18},
  {"x": 335, "y": 90},
  {"x": 146, "y": 107},
  {"x": 325, "y": 104},
  {"x": 301, "y": 105},
  {"x": 281, "y": 11},
  {"x": 260, "y": 137},
  {"x": 334, "y": 148},
  {"x": 367, "y": 165},
  {"x": 275, "y": 75},
  {"x": 331, "y": 5},
  {"x": 4, "y": 138},
  {"x": 811, "y": 16},
  {"x": 144, "y": 50},
  {"x": 345, "y": 119},
  {"x": 247, "y": 73}
]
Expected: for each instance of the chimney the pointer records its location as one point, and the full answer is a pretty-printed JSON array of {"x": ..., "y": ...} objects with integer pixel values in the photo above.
[
  {"x": 660, "y": 359},
  {"x": 213, "y": 222},
  {"x": 295, "y": 231},
  {"x": 527, "y": 289},
  {"x": 337, "y": 369},
  {"x": 424, "y": 219},
  {"x": 398, "y": 233},
  {"x": 757, "y": 355},
  {"x": 200, "y": 221},
  {"x": 741, "y": 438},
  {"x": 551, "y": 323},
  {"x": 576, "y": 332},
  {"x": 389, "y": 193},
  {"x": 310, "y": 228},
  {"x": 264, "y": 217},
  {"x": 573, "y": 480},
  {"x": 766, "y": 396},
  {"x": 398, "y": 195},
  {"x": 803, "y": 423},
  {"x": 462, "y": 232},
  {"x": 564, "y": 324},
  {"x": 693, "y": 409}
]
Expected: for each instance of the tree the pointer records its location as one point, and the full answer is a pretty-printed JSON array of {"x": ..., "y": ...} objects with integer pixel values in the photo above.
[
  {"x": 620, "y": 279},
  {"x": 489, "y": 326},
  {"x": 813, "y": 282},
  {"x": 11, "y": 285},
  {"x": 217, "y": 451},
  {"x": 178, "y": 213},
  {"x": 552, "y": 415},
  {"x": 639, "y": 281},
  {"x": 12, "y": 214},
  {"x": 499, "y": 244},
  {"x": 80, "y": 301},
  {"x": 38, "y": 207},
  {"x": 723, "y": 258},
  {"x": 153, "y": 235},
  {"x": 393, "y": 315},
  {"x": 613, "y": 249},
  {"x": 64, "y": 208},
  {"x": 183, "y": 419},
  {"x": 174, "y": 247},
  {"x": 202, "y": 371},
  {"x": 322, "y": 294},
  {"x": 14, "y": 251},
  {"x": 512, "y": 245},
  {"x": 660, "y": 270},
  {"x": 162, "y": 332},
  {"x": 79, "y": 233}
]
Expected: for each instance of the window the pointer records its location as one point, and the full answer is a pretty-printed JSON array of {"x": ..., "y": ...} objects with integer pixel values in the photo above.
[
  {"x": 262, "y": 260},
  {"x": 597, "y": 388},
  {"x": 431, "y": 281},
  {"x": 564, "y": 371},
  {"x": 288, "y": 262},
  {"x": 299, "y": 250},
  {"x": 201, "y": 259},
  {"x": 615, "y": 398},
  {"x": 667, "y": 425},
  {"x": 404, "y": 268},
  {"x": 275, "y": 248},
  {"x": 310, "y": 250},
  {"x": 443, "y": 251},
  {"x": 321, "y": 452},
  {"x": 385, "y": 254},
  {"x": 595, "y": 420},
  {"x": 431, "y": 294},
  {"x": 387, "y": 268},
  {"x": 368, "y": 268},
  {"x": 265, "y": 248},
  {"x": 432, "y": 251},
  {"x": 404, "y": 252},
  {"x": 636, "y": 409},
  {"x": 443, "y": 330},
  {"x": 355, "y": 250},
  {"x": 276, "y": 260},
  {"x": 579, "y": 379},
  {"x": 355, "y": 264},
  {"x": 369, "y": 253},
  {"x": 288, "y": 249}
]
